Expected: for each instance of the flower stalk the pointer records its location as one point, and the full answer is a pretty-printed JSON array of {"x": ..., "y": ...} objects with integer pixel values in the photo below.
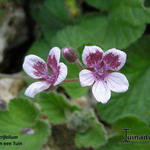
[
  {"x": 79, "y": 64},
  {"x": 71, "y": 80}
]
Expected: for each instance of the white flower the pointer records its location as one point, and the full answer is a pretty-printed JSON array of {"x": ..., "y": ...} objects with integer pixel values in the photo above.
[
  {"x": 37, "y": 68},
  {"x": 100, "y": 72}
]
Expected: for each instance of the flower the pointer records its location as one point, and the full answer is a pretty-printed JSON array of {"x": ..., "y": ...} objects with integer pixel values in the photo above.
[
  {"x": 101, "y": 73},
  {"x": 50, "y": 74}
]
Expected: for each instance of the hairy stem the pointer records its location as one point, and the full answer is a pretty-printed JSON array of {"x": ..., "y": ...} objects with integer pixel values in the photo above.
[
  {"x": 71, "y": 80},
  {"x": 79, "y": 64}
]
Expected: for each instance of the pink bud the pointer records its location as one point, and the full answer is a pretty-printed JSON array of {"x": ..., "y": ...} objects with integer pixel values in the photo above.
[{"x": 70, "y": 55}]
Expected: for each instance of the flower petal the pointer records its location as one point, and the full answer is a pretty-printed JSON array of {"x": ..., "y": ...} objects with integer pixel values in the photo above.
[
  {"x": 86, "y": 78},
  {"x": 54, "y": 53},
  {"x": 53, "y": 59},
  {"x": 114, "y": 59},
  {"x": 35, "y": 88},
  {"x": 117, "y": 82},
  {"x": 62, "y": 73},
  {"x": 92, "y": 55},
  {"x": 101, "y": 92},
  {"x": 35, "y": 66}
]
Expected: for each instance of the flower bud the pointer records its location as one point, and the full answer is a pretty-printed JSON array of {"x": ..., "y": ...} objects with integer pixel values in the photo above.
[{"x": 70, "y": 55}]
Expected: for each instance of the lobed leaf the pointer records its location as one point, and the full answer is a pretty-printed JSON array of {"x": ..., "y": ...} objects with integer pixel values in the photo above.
[
  {"x": 135, "y": 126},
  {"x": 52, "y": 16},
  {"x": 22, "y": 114},
  {"x": 94, "y": 136},
  {"x": 55, "y": 107}
]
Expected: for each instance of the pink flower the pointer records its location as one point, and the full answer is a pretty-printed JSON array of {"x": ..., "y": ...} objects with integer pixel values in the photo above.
[
  {"x": 100, "y": 72},
  {"x": 49, "y": 74}
]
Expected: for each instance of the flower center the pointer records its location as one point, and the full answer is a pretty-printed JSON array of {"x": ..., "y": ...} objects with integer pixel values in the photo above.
[
  {"x": 50, "y": 76},
  {"x": 100, "y": 71}
]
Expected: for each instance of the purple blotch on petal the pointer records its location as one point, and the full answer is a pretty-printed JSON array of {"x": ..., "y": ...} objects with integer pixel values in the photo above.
[
  {"x": 94, "y": 59},
  {"x": 112, "y": 61},
  {"x": 40, "y": 69},
  {"x": 54, "y": 67}
]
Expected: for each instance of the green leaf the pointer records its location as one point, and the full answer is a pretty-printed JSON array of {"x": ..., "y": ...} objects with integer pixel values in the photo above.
[
  {"x": 115, "y": 143},
  {"x": 74, "y": 89},
  {"x": 136, "y": 100},
  {"x": 136, "y": 130},
  {"x": 111, "y": 32},
  {"x": 131, "y": 11},
  {"x": 100, "y": 30},
  {"x": 55, "y": 107},
  {"x": 22, "y": 114},
  {"x": 124, "y": 24},
  {"x": 99, "y": 4},
  {"x": 23, "y": 96},
  {"x": 71, "y": 36},
  {"x": 52, "y": 16},
  {"x": 94, "y": 136},
  {"x": 136, "y": 126}
]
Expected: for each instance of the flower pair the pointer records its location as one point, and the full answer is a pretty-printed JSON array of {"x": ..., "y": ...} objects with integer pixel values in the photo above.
[{"x": 99, "y": 72}]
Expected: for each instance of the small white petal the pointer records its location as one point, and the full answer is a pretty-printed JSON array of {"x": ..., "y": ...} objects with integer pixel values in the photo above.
[
  {"x": 117, "y": 82},
  {"x": 35, "y": 88},
  {"x": 91, "y": 50},
  {"x": 30, "y": 61},
  {"x": 86, "y": 78},
  {"x": 62, "y": 74},
  {"x": 101, "y": 92},
  {"x": 115, "y": 64},
  {"x": 55, "y": 51}
]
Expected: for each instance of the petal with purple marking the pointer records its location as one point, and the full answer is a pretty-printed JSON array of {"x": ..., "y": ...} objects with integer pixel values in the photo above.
[
  {"x": 35, "y": 66},
  {"x": 55, "y": 51},
  {"x": 101, "y": 92},
  {"x": 86, "y": 78},
  {"x": 92, "y": 55},
  {"x": 114, "y": 59},
  {"x": 61, "y": 74},
  {"x": 36, "y": 87},
  {"x": 117, "y": 82},
  {"x": 53, "y": 58}
]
